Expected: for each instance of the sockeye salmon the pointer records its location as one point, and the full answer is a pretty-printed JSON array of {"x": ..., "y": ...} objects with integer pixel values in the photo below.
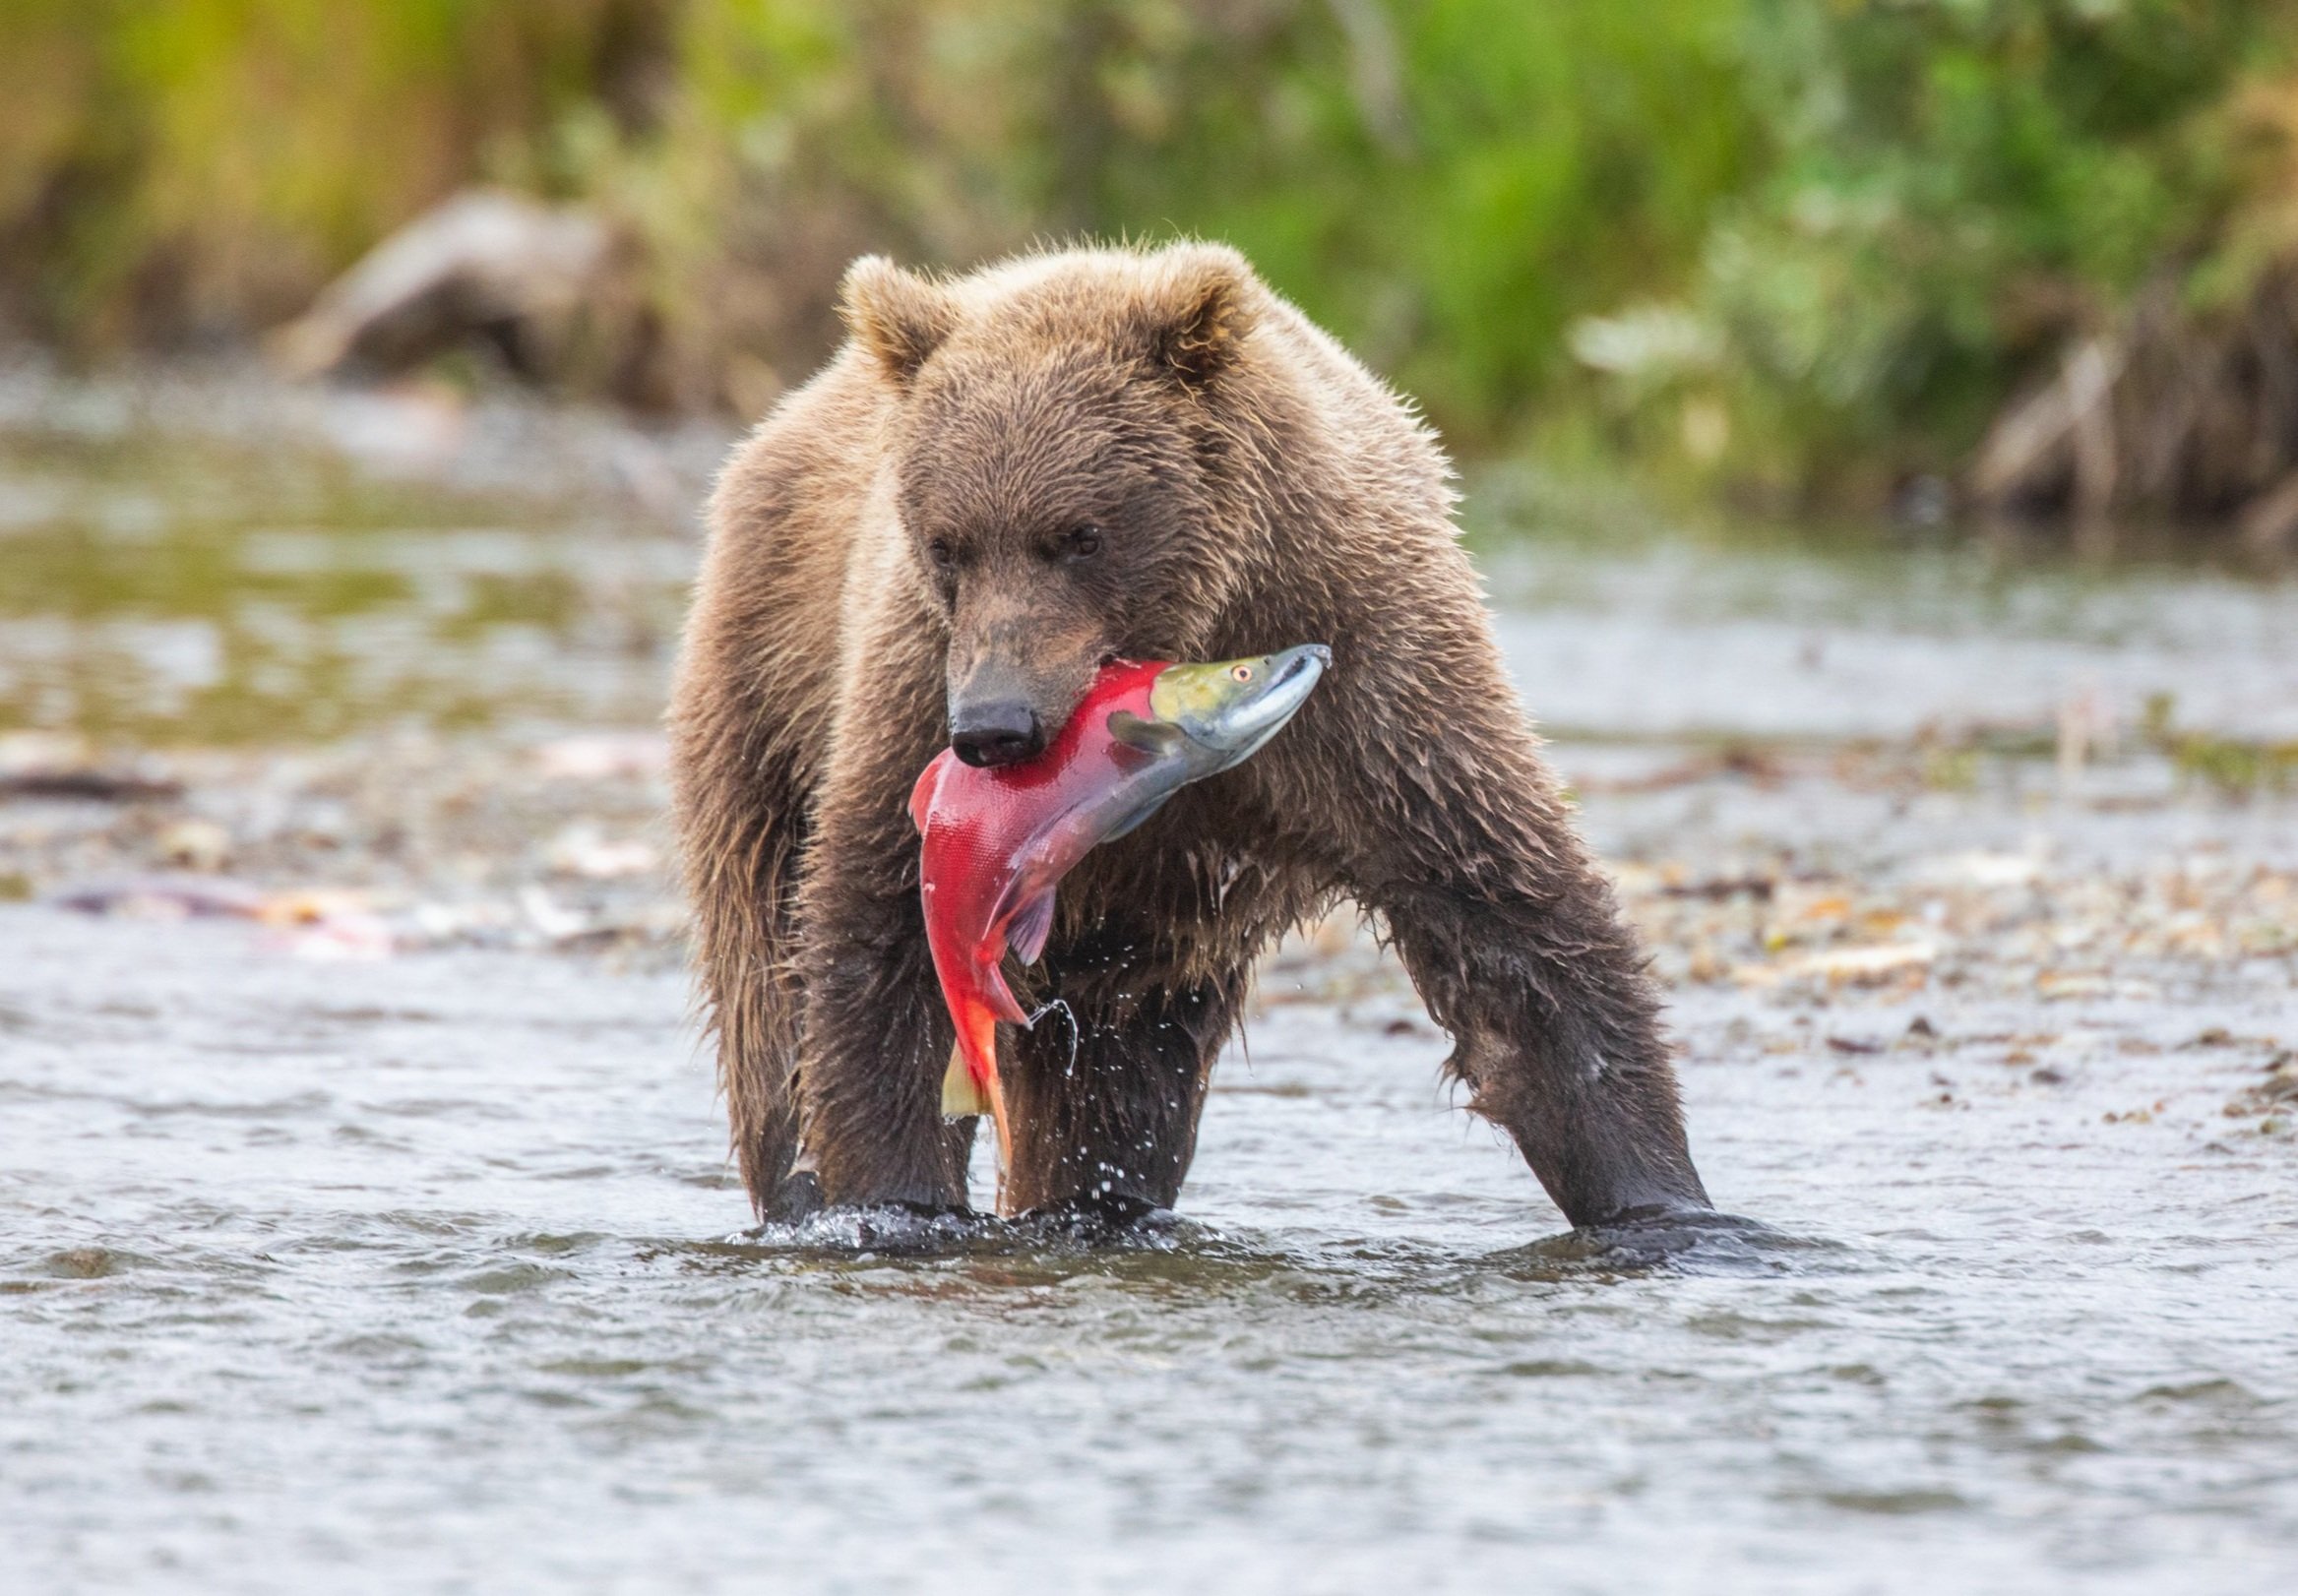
[{"x": 997, "y": 841}]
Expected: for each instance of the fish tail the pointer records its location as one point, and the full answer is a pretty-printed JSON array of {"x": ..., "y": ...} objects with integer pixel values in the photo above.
[{"x": 971, "y": 1085}]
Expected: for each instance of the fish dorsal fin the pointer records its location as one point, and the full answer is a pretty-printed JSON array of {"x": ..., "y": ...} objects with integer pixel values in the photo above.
[
  {"x": 1033, "y": 922},
  {"x": 1156, "y": 737}
]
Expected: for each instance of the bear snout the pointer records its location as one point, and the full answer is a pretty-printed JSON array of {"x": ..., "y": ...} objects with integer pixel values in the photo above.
[
  {"x": 1004, "y": 731},
  {"x": 1014, "y": 685}
]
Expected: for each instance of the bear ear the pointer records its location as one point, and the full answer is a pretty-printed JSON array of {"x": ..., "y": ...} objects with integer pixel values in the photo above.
[
  {"x": 1200, "y": 313},
  {"x": 900, "y": 317}
]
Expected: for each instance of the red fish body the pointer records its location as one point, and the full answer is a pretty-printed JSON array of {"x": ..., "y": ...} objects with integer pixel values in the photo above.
[{"x": 997, "y": 842}]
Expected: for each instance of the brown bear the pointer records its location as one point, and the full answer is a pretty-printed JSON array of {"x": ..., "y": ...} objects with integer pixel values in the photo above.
[{"x": 1001, "y": 481}]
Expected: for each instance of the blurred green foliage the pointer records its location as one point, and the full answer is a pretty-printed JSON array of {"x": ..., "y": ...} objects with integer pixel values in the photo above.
[
  {"x": 188, "y": 167},
  {"x": 1793, "y": 241},
  {"x": 1949, "y": 191}
]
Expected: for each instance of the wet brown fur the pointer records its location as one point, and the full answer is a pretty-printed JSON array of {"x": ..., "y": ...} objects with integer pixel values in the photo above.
[{"x": 891, "y": 540}]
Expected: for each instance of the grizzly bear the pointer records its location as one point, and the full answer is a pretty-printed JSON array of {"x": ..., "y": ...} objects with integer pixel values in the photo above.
[{"x": 1002, "y": 481}]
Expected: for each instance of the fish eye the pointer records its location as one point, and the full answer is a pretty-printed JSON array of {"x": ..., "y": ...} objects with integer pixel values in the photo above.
[{"x": 1241, "y": 673}]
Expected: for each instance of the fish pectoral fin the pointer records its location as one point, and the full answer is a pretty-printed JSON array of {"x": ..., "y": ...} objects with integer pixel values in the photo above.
[
  {"x": 1032, "y": 924},
  {"x": 962, "y": 1095},
  {"x": 1156, "y": 737}
]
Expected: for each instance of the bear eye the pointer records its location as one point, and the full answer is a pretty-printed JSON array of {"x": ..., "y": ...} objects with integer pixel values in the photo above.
[
  {"x": 939, "y": 551},
  {"x": 1080, "y": 542}
]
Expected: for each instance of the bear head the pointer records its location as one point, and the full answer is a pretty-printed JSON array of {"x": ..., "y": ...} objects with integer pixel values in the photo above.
[{"x": 1067, "y": 447}]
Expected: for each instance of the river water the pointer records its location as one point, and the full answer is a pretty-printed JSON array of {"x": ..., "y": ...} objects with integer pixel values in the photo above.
[{"x": 427, "y": 1272}]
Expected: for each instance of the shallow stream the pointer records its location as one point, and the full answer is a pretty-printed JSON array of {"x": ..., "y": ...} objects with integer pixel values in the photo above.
[{"x": 426, "y": 1273}]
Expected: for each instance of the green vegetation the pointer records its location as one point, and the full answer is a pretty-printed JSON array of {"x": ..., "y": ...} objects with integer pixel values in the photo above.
[
  {"x": 1803, "y": 244},
  {"x": 1951, "y": 191}
]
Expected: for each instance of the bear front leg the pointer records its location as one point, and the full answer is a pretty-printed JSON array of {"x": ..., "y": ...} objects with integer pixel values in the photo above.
[
  {"x": 1451, "y": 828},
  {"x": 740, "y": 783},
  {"x": 877, "y": 1040},
  {"x": 875, "y": 1035},
  {"x": 1556, "y": 1033},
  {"x": 742, "y": 832},
  {"x": 1105, "y": 1090}
]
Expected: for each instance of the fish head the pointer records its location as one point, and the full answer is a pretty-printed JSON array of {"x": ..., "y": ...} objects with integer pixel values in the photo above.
[{"x": 1230, "y": 707}]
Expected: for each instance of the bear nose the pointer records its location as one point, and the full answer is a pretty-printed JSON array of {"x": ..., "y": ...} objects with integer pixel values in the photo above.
[{"x": 1002, "y": 733}]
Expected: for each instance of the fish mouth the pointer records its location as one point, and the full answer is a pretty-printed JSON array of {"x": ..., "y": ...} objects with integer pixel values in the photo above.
[{"x": 1234, "y": 707}]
